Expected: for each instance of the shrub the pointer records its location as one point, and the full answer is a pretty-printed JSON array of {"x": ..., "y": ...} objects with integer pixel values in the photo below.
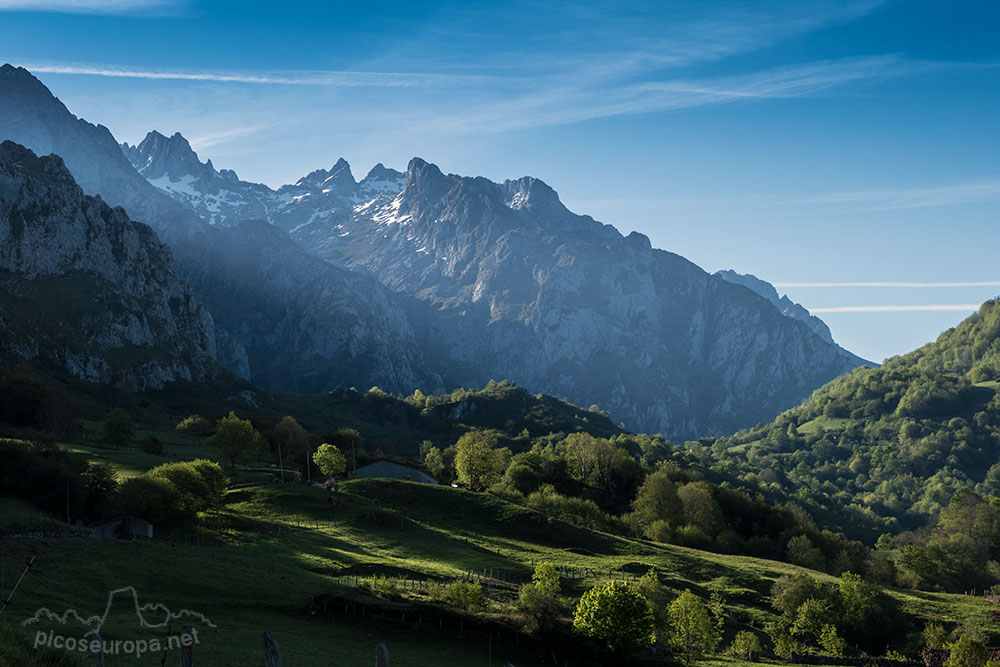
[
  {"x": 194, "y": 425},
  {"x": 199, "y": 484},
  {"x": 383, "y": 586},
  {"x": 465, "y": 595}
]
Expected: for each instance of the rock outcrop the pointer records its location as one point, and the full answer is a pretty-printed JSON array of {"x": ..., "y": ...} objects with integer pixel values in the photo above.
[{"x": 86, "y": 289}]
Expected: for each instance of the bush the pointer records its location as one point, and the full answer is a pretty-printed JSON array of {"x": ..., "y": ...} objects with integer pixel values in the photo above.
[
  {"x": 465, "y": 595},
  {"x": 383, "y": 586},
  {"x": 194, "y": 425},
  {"x": 199, "y": 484}
]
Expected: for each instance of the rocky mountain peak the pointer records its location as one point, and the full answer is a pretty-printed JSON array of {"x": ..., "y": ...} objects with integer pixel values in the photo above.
[
  {"x": 382, "y": 180},
  {"x": 339, "y": 175},
  {"x": 422, "y": 175},
  {"x": 157, "y": 156},
  {"x": 531, "y": 193},
  {"x": 23, "y": 79}
]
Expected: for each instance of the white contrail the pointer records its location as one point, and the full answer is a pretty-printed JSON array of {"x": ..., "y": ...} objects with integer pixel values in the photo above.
[
  {"x": 87, "y": 6},
  {"x": 985, "y": 283},
  {"x": 898, "y": 309},
  {"x": 287, "y": 78}
]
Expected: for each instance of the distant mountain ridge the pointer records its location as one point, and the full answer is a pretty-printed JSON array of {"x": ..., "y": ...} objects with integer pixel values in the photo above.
[
  {"x": 505, "y": 282},
  {"x": 788, "y": 307},
  {"x": 221, "y": 198}
]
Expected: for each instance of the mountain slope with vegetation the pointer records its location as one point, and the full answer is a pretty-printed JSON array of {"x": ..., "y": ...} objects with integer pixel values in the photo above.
[{"x": 885, "y": 450}]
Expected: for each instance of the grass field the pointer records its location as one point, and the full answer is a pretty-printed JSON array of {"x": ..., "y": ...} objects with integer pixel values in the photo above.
[{"x": 257, "y": 565}]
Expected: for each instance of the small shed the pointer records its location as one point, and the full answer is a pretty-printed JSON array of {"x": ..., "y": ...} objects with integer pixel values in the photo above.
[
  {"x": 122, "y": 527},
  {"x": 388, "y": 469}
]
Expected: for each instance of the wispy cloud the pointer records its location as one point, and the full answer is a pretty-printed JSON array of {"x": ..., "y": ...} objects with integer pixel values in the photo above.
[
  {"x": 277, "y": 77},
  {"x": 203, "y": 141},
  {"x": 92, "y": 6},
  {"x": 494, "y": 104},
  {"x": 884, "y": 200},
  {"x": 965, "y": 307},
  {"x": 986, "y": 283},
  {"x": 560, "y": 104}
]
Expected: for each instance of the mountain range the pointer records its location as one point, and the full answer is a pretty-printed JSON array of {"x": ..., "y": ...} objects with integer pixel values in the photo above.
[{"x": 430, "y": 280}]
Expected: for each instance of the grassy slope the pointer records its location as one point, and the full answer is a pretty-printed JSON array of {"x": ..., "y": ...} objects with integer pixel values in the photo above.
[{"x": 247, "y": 579}]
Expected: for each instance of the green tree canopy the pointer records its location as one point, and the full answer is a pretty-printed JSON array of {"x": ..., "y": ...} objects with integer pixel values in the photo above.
[
  {"x": 479, "y": 461},
  {"x": 692, "y": 631},
  {"x": 235, "y": 440},
  {"x": 657, "y": 500},
  {"x": 745, "y": 645},
  {"x": 615, "y": 616},
  {"x": 329, "y": 460},
  {"x": 539, "y": 602},
  {"x": 291, "y": 440}
]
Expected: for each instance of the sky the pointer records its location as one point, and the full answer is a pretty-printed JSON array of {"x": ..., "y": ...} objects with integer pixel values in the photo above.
[{"x": 846, "y": 151}]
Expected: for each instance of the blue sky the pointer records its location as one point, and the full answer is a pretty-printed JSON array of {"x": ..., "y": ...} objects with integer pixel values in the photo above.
[{"x": 847, "y": 151}]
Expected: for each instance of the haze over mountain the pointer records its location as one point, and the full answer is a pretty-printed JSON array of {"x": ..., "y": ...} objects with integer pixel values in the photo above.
[{"x": 505, "y": 282}]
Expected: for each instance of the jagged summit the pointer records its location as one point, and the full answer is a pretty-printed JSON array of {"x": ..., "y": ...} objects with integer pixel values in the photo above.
[
  {"x": 30, "y": 115},
  {"x": 338, "y": 176},
  {"x": 383, "y": 180},
  {"x": 284, "y": 319},
  {"x": 158, "y": 156}
]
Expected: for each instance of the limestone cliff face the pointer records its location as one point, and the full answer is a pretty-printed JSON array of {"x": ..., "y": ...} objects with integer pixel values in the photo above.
[{"x": 88, "y": 290}]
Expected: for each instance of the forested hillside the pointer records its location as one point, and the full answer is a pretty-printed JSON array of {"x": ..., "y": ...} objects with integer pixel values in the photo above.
[{"x": 884, "y": 450}]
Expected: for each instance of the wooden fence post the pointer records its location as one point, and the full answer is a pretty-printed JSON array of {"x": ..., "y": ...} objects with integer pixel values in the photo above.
[
  {"x": 187, "y": 648},
  {"x": 272, "y": 652},
  {"x": 381, "y": 655}
]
